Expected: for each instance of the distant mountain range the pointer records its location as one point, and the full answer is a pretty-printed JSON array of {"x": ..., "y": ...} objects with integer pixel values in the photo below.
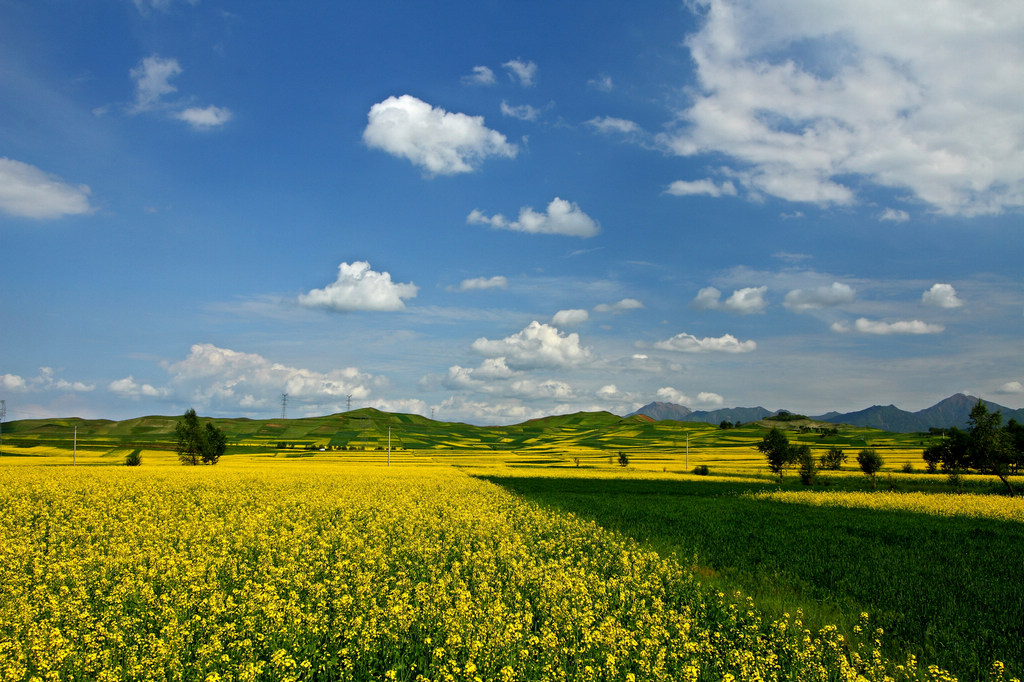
[{"x": 953, "y": 411}]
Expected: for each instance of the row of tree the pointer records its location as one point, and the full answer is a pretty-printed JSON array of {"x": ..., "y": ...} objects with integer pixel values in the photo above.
[{"x": 986, "y": 447}]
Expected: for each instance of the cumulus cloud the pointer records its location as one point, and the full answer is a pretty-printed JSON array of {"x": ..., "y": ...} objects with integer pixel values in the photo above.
[
  {"x": 360, "y": 288},
  {"x": 688, "y": 343},
  {"x": 440, "y": 142},
  {"x": 1011, "y": 388},
  {"x": 608, "y": 392},
  {"x": 801, "y": 99},
  {"x": 570, "y": 318},
  {"x": 670, "y": 395},
  {"x": 866, "y": 326},
  {"x": 129, "y": 388},
  {"x": 481, "y": 75},
  {"x": 538, "y": 345},
  {"x": 28, "y": 192},
  {"x": 619, "y": 306},
  {"x": 802, "y": 300},
  {"x": 561, "y": 217},
  {"x": 522, "y": 71},
  {"x": 942, "y": 295},
  {"x": 12, "y": 382},
  {"x": 480, "y": 283},
  {"x": 220, "y": 377},
  {"x": 205, "y": 118},
  {"x": 743, "y": 301},
  {"x": 524, "y": 112},
  {"x": 683, "y": 188}
]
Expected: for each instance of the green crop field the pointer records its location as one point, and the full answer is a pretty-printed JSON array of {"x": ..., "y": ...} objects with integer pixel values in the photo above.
[{"x": 938, "y": 569}]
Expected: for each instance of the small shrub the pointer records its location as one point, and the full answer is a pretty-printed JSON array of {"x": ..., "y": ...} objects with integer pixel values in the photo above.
[
  {"x": 808, "y": 467},
  {"x": 908, "y": 468},
  {"x": 623, "y": 459},
  {"x": 701, "y": 470},
  {"x": 833, "y": 459},
  {"x": 134, "y": 458}
]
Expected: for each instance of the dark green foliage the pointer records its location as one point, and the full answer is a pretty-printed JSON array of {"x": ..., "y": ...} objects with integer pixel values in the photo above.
[
  {"x": 701, "y": 470},
  {"x": 986, "y": 447},
  {"x": 196, "y": 444},
  {"x": 623, "y": 459},
  {"x": 784, "y": 416},
  {"x": 808, "y": 468},
  {"x": 134, "y": 458},
  {"x": 725, "y": 424},
  {"x": 775, "y": 447},
  {"x": 870, "y": 462},
  {"x": 833, "y": 459}
]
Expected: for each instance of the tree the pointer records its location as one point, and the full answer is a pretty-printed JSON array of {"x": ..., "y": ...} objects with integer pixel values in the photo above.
[
  {"x": 989, "y": 449},
  {"x": 833, "y": 459},
  {"x": 623, "y": 459},
  {"x": 870, "y": 462},
  {"x": 808, "y": 467},
  {"x": 198, "y": 444},
  {"x": 775, "y": 447}
]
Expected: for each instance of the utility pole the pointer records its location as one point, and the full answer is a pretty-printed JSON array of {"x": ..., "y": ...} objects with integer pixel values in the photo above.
[{"x": 3, "y": 413}]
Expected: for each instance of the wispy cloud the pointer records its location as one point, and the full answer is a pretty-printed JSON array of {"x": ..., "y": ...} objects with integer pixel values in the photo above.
[
  {"x": 684, "y": 188},
  {"x": 802, "y": 300},
  {"x": 481, "y": 75},
  {"x": 524, "y": 72},
  {"x": 878, "y": 327},
  {"x": 28, "y": 192},
  {"x": 481, "y": 283},
  {"x": 688, "y": 343}
]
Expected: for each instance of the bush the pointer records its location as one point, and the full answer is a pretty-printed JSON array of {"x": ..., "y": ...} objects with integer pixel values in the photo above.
[
  {"x": 833, "y": 459},
  {"x": 701, "y": 470},
  {"x": 134, "y": 458},
  {"x": 808, "y": 467},
  {"x": 623, "y": 459},
  {"x": 908, "y": 468}
]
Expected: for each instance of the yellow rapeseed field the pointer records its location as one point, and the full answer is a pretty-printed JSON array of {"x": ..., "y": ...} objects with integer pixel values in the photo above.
[
  {"x": 329, "y": 572},
  {"x": 978, "y": 506}
]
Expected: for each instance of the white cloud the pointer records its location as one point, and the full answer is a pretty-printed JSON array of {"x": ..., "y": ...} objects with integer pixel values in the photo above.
[
  {"x": 688, "y": 343},
  {"x": 894, "y": 215},
  {"x": 500, "y": 412},
  {"x": 570, "y": 318},
  {"x": 802, "y": 300},
  {"x": 538, "y": 345},
  {"x": 742, "y": 301},
  {"x": 212, "y": 376},
  {"x": 1011, "y": 388},
  {"x": 867, "y": 326},
  {"x": 129, "y": 388},
  {"x": 28, "y": 192},
  {"x": 942, "y": 295},
  {"x": 440, "y": 142},
  {"x": 619, "y": 306},
  {"x": 670, "y": 395},
  {"x": 561, "y": 217},
  {"x": 710, "y": 399},
  {"x": 802, "y": 96},
  {"x": 609, "y": 124},
  {"x": 608, "y": 392},
  {"x": 202, "y": 118},
  {"x": 152, "y": 81},
  {"x": 12, "y": 382},
  {"x": 682, "y": 188},
  {"x": 546, "y": 389},
  {"x": 480, "y": 283},
  {"x": 524, "y": 72},
  {"x": 707, "y": 299},
  {"x": 746, "y": 301},
  {"x": 360, "y": 288},
  {"x": 481, "y": 75},
  {"x": 602, "y": 83},
  {"x": 524, "y": 112}
]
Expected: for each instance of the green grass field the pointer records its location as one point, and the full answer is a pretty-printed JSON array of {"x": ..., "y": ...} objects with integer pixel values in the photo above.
[{"x": 947, "y": 588}]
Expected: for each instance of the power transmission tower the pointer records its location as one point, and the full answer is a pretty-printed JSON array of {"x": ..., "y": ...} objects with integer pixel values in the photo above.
[
  {"x": 348, "y": 405},
  {"x": 284, "y": 406}
]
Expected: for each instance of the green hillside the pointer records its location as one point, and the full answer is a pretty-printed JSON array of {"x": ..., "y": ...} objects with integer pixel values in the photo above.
[{"x": 582, "y": 433}]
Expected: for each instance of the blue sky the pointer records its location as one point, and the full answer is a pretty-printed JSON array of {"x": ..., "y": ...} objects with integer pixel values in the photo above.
[{"x": 493, "y": 211}]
